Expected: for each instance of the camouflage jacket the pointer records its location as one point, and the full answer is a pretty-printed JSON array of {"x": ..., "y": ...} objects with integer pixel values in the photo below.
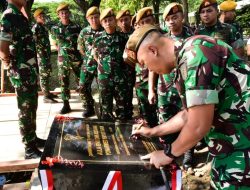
[
  {"x": 15, "y": 29},
  {"x": 109, "y": 50},
  {"x": 224, "y": 32},
  {"x": 41, "y": 36},
  {"x": 209, "y": 72},
  {"x": 141, "y": 76},
  {"x": 66, "y": 38},
  {"x": 238, "y": 28},
  {"x": 85, "y": 42}
]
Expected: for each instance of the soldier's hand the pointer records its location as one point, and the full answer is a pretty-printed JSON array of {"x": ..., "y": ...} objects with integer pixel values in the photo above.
[
  {"x": 141, "y": 129},
  {"x": 151, "y": 97},
  {"x": 158, "y": 158},
  {"x": 5, "y": 62}
]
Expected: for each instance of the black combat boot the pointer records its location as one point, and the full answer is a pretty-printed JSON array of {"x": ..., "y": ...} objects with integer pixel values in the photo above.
[
  {"x": 53, "y": 95},
  {"x": 66, "y": 107},
  {"x": 31, "y": 151},
  {"x": 40, "y": 143},
  {"x": 49, "y": 99},
  {"x": 188, "y": 159},
  {"x": 88, "y": 111}
]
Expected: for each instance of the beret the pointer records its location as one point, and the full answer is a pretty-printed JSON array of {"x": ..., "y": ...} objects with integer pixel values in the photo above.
[
  {"x": 62, "y": 6},
  {"x": 207, "y": 3},
  {"x": 122, "y": 13},
  {"x": 92, "y": 11},
  {"x": 106, "y": 13},
  {"x": 135, "y": 40},
  {"x": 144, "y": 12},
  {"x": 172, "y": 8},
  {"x": 38, "y": 12},
  {"x": 228, "y": 5}
]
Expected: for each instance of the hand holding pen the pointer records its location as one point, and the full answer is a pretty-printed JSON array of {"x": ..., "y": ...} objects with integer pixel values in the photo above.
[{"x": 139, "y": 129}]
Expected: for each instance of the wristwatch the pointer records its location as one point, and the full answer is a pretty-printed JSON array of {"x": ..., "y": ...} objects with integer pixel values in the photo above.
[{"x": 167, "y": 151}]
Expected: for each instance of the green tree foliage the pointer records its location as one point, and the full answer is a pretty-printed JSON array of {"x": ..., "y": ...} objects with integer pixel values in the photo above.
[{"x": 243, "y": 18}]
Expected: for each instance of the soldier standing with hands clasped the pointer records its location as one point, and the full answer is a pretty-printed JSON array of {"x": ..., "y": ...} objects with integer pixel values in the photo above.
[
  {"x": 85, "y": 43},
  {"x": 66, "y": 34},
  {"x": 41, "y": 36}
]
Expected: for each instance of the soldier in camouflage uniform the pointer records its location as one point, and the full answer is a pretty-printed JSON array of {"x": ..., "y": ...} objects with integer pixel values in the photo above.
[
  {"x": 213, "y": 83},
  {"x": 18, "y": 53},
  {"x": 123, "y": 18},
  {"x": 41, "y": 37},
  {"x": 213, "y": 27},
  {"x": 147, "y": 110},
  {"x": 89, "y": 67},
  {"x": 65, "y": 34},
  {"x": 108, "y": 49},
  {"x": 228, "y": 15}
]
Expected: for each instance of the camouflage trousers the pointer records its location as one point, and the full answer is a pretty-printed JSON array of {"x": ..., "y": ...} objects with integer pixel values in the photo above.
[
  {"x": 130, "y": 77},
  {"x": 64, "y": 69},
  {"x": 27, "y": 101},
  {"x": 168, "y": 100},
  {"x": 86, "y": 79},
  {"x": 232, "y": 171},
  {"x": 110, "y": 88},
  {"x": 44, "y": 74},
  {"x": 147, "y": 111}
]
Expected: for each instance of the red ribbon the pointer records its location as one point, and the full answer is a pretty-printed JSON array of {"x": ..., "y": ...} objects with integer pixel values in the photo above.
[{"x": 59, "y": 160}]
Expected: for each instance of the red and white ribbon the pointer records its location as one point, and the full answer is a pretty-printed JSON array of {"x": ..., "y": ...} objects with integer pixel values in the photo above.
[
  {"x": 113, "y": 181},
  {"x": 46, "y": 179},
  {"x": 176, "y": 180}
]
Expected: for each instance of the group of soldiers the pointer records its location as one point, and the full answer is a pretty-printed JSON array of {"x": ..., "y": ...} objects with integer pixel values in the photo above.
[{"x": 97, "y": 51}]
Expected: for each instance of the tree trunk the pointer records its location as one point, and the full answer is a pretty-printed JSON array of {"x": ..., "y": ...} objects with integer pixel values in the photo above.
[
  {"x": 185, "y": 7},
  {"x": 156, "y": 6},
  {"x": 84, "y": 5}
]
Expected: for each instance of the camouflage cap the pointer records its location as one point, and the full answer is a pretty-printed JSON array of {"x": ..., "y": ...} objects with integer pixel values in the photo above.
[
  {"x": 144, "y": 12},
  {"x": 106, "y": 13},
  {"x": 133, "y": 20},
  {"x": 207, "y": 3},
  {"x": 62, "y": 6},
  {"x": 135, "y": 40},
  {"x": 38, "y": 12},
  {"x": 172, "y": 8},
  {"x": 228, "y": 5},
  {"x": 122, "y": 13},
  {"x": 92, "y": 11}
]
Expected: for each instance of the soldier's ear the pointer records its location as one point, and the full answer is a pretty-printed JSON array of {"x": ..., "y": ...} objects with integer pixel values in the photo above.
[{"x": 153, "y": 49}]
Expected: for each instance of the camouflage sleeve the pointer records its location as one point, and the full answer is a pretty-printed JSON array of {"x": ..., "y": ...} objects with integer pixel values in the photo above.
[
  {"x": 34, "y": 31},
  {"x": 54, "y": 33},
  {"x": 202, "y": 75},
  {"x": 5, "y": 30},
  {"x": 96, "y": 44},
  {"x": 236, "y": 40},
  {"x": 80, "y": 41}
]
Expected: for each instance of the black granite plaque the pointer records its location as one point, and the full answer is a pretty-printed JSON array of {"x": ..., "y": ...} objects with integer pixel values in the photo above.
[{"x": 89, "y": 149}]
